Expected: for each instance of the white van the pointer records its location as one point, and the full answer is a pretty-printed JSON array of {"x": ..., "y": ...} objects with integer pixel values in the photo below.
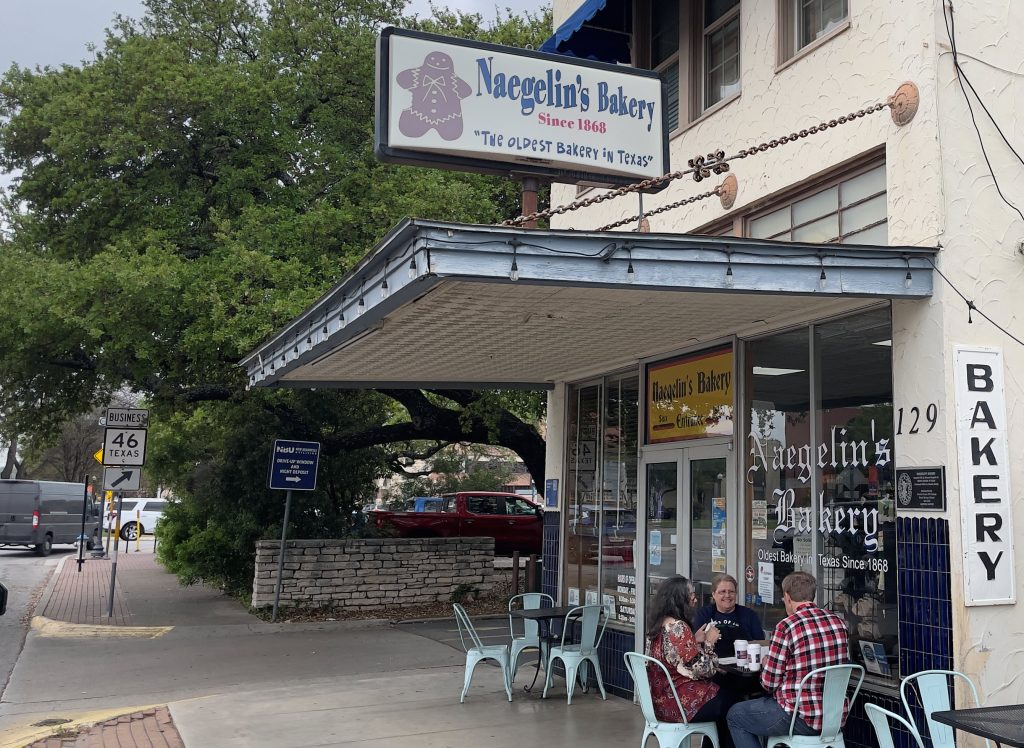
[
  {"x": 139, "y": 516},
  {"x": 39, "y": 513}
]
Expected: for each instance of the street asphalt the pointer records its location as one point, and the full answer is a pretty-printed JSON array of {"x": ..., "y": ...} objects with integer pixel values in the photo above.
[{"x": 231, "y": 679}]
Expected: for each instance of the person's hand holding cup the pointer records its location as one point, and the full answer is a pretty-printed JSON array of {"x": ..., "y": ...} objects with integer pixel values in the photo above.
[{"x": 712, "y": 634}]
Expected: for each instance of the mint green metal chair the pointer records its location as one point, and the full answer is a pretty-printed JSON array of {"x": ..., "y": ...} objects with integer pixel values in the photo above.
[
  {"x": 933, "y": 688},
  {"x": 479, "y": 652},
  {"x": 668, "y": 734},
  {"x": 531, "y": 629},
  {"x": 837, "y": 681},
  {"x": 880, "y": 717},
  {"x": 576, "y": 657}
]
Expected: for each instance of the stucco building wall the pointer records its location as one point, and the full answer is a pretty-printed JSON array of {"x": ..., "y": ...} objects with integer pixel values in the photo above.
[{"x": 939, "y": 191}]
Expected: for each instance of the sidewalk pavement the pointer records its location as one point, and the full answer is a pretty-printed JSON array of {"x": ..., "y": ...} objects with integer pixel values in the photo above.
[{"x": 229, "y": 679}]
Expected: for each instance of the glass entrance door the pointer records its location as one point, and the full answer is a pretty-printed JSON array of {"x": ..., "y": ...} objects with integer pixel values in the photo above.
[
  {"x": 662, "y": 494},
  {"x": 689, "y": 494},
  {"x": 706, "y": 503}
]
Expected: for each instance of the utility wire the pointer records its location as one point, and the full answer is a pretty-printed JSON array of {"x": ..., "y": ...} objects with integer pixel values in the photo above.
[
  {"x": 961, "y": 78},
  {"x": 972, "y": 308}
]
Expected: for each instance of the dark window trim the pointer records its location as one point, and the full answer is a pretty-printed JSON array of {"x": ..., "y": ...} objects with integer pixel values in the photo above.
[{"x": 740, "y": 219}]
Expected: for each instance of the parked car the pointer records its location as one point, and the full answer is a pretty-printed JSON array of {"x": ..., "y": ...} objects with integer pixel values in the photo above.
[
  {"x": 138, "y": 516},
  {"x": 515, "y": 522},
  {"x": 39, "y": 513},
  {"x": 619, "y": 531}
]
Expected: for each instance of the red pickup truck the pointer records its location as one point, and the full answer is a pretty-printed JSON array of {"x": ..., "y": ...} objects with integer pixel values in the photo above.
[{"x": 515, "y": 522}]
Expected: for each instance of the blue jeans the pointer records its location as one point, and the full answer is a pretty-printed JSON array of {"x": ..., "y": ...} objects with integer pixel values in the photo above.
[{"x": 749, "y": 720}]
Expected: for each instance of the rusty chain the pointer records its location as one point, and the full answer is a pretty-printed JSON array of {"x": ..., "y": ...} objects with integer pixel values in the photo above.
[
  {"x": 701, "y": 167},
  {"x": 663, "y": 208}
]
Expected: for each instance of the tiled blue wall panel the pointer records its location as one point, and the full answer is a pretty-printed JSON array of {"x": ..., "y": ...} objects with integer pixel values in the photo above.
[
  {"x": 925, "y": 607},
  {"x": 925, "y": 599},
  {"x": 549, "y": 575}
]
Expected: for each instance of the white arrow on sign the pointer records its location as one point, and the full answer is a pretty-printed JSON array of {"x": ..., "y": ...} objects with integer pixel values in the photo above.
[
  {"x": 121, "y": 478},
  {"x": 292, "y": 480}
]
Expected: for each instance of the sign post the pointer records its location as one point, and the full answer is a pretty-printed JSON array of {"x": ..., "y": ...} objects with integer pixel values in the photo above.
[
  {"x": 124, "y": 444},
  {"x": 293, "y": 467}
]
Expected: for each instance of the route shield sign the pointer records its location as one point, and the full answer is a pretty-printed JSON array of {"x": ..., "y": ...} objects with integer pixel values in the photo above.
[
  {"x": 293, "y": 465},
  {"x": 124, "y": 446},
  {"x": 122, "y": 478}
]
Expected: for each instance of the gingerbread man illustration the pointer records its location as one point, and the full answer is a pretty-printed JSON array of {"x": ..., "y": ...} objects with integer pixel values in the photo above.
[{"x": 437, "y": 94}]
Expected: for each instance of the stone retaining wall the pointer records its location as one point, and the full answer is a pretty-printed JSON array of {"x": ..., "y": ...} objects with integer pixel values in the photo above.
[{"x": 368, "y": 574}]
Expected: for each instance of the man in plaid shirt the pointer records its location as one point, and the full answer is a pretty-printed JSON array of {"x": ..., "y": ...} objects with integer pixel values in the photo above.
[{"x": 808, "y": 638}]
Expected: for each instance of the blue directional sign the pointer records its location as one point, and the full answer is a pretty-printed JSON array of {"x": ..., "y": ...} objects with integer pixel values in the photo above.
[{"x": 293, "y": 465}]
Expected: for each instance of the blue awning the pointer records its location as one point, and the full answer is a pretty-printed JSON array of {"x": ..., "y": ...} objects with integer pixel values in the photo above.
[{"x": 577, "y": 38}]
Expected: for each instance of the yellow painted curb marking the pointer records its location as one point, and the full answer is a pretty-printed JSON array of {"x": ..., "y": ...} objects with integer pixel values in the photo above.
[
  {"x": 61, "y": 630},
  {"x": 19, "y": 737}
]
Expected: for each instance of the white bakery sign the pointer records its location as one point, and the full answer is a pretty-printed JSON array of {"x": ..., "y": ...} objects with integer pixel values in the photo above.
[
  {"x": 985, "y": 496},
  {"x": 458, "y": 104}
]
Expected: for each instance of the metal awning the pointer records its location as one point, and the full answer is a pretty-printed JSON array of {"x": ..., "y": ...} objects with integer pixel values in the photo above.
[{"x": 455, "y": 305}]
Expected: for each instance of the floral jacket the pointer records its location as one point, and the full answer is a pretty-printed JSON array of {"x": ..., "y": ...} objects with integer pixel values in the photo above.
[{"x": 691, "y": 666}]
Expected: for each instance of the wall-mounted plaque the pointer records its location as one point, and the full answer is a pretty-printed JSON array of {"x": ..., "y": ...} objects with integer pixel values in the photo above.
[{"x": 921, "y": 489}]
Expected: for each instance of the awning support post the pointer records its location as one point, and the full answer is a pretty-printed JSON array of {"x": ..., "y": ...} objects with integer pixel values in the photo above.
[{"x": 528, "y": 201}]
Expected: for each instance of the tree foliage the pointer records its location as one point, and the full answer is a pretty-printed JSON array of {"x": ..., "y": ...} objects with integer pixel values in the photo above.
[{"x": 184, "y": 194}]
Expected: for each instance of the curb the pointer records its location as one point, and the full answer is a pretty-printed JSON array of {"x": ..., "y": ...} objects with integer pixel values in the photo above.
[
  {"x": 19, "y": 737},
  {"x": 485, "y": 616},
  {"x": 44, "y": 599}
]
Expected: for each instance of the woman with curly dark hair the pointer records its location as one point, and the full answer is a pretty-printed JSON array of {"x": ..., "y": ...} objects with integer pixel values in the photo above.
[{"x": 691, "y": 664}]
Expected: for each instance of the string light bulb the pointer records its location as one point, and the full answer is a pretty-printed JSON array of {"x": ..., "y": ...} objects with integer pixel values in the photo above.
[
  {"x": 513, "y": 272},
  {"x": 909, "y": 280},
  {"x": 384, "y": 288},
  {"x": 822, "y": 279},
  {"x": 412, "y": 268},
  {"x": 729, "y": 279}
]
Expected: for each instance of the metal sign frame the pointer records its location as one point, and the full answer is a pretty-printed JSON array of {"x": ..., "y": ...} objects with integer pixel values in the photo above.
[{"x": 293, "y": 465}]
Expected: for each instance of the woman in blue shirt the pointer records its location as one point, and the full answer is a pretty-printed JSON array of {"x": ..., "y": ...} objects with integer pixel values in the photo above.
[{"x": 732, "y": 621}]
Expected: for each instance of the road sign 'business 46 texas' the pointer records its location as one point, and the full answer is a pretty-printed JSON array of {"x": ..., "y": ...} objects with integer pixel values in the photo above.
[{"x": 293, "y": 465}]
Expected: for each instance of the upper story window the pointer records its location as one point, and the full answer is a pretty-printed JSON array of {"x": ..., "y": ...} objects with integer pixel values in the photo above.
[
  {"x": 695, "y": 46},
  {"x": 850, "y": 210},
  {"x": 804, "y": 22},
  {"x": 721, "y": 46}
]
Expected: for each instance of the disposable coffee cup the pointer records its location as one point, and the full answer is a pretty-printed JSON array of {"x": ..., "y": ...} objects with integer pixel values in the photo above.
[
  {"x": 741, "y": 652},
  {"x": 754, "y": 656}
]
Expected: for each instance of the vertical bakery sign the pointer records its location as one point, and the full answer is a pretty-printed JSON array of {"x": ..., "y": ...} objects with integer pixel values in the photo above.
[
  {"x": 471, "y": 106},
  {"x": 985, "y": 496}
]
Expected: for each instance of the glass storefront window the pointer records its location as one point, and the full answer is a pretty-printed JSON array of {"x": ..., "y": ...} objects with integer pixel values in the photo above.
[
  {"x": 619, "y": 504},
  {"x": 857, "y": 522},
  {"x": 819, "y": 477},
  {"x": 601, "y": 500},
  {"x": 776, "y": 484}
]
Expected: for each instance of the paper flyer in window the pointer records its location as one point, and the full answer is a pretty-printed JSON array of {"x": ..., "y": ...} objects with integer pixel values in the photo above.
[
  {"x": 654, "y": 548},
  {"x": 759, "y": 519},
  {"x": 718, "y": 519},
  {"x": 766, "y": 582},
  {"x": 875, "y": 659},
  {"x": 609, "y": 605},
  {"x": 574, "y": 596},
  {"x": 591, "y": 597}
]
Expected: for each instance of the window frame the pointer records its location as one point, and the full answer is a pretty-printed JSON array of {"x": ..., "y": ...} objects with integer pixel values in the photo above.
[
  {"x": 738, "y": 223},
  {"x": 834, "y": 182},
  {"x": 788, "y": 24},
  {"x": 690, "y": 58}
]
